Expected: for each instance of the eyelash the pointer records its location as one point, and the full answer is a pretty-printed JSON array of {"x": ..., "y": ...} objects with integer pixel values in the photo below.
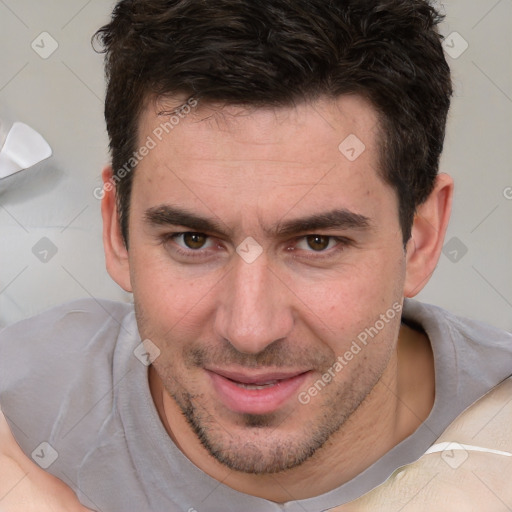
[
  {"x": 341, "y": 244},
  {"x": 190, "y": 253}
]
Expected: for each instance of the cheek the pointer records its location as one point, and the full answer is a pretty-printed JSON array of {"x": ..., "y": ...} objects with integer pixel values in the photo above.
[
  {"x": 168, "y": 300},
  {"x": 345, "y": 302}
]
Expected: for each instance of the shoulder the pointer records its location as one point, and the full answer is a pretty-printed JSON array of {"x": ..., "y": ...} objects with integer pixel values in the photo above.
[
  {"x": 429, "y": 316},
  {"x": 90, "y": 313},
  {"x": 63, "y": 329},
  {"x": 473, "y": 356},
  {"x": 51, "y": 340},
  {"x": 54, "y": 367}
]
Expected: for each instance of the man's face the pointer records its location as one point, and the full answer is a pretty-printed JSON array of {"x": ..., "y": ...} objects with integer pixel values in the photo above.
[{"x": 243, "y": 334}]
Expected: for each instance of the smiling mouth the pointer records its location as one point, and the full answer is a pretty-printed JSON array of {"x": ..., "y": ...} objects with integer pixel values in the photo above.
[{"x": 261, "y": 393}]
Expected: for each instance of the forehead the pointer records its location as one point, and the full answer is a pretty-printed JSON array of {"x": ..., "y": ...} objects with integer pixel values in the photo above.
[
  {"x": 260, "y": 124},
  {"x": 321, "y": 151}
]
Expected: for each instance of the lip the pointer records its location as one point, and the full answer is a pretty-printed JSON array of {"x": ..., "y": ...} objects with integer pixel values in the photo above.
[{"x": 284, "y": 386}]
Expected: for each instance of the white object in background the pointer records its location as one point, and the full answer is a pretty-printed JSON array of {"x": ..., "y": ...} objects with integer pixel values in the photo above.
[{"x": 23, "y": 148}]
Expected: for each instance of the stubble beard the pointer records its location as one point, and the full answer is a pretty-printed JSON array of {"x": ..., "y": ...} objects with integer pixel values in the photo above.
[
  {"x": 261, "y": 449},
  {"x": 265, "y": 445}
]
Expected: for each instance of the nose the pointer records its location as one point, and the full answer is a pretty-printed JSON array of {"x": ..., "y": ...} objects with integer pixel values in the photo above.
[{"x": 255, "y": 308}]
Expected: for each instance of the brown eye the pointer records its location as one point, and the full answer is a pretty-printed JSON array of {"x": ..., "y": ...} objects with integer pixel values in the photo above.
[
  {"x": 318, "y": 242},
  {"x": 194, "y": 240}
]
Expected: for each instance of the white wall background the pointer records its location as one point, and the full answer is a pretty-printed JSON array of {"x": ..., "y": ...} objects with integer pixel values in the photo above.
[{"x": 61, "y": 97}]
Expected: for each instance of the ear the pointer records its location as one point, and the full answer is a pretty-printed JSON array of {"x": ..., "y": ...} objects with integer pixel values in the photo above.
[
  {"x": 116, "y": 254},
  {"x": 428, "y": 231}
]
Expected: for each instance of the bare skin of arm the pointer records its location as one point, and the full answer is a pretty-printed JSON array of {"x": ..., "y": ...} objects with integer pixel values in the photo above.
[
  {"x": 24, "y": 486},
  {"x": 472, "y": 482}
]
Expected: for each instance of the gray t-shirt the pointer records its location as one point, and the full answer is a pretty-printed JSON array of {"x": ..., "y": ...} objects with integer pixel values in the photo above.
[{"x": 69, "y": 378}]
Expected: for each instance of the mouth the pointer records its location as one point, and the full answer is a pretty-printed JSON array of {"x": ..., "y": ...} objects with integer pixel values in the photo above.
[{"x": 256, "y": 393}]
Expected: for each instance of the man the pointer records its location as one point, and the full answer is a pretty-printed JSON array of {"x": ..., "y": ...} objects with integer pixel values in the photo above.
[{"x": 273, "y": 203}]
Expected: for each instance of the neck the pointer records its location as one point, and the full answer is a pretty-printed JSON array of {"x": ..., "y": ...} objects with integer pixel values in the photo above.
[{"x": 399, "y": 402}]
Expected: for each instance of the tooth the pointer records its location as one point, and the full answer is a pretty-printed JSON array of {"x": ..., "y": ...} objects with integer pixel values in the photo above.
[{"x": 257, "y": 386}]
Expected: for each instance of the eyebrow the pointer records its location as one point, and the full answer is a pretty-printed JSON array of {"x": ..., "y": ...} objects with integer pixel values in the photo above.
[
  {"x": 164, "y": 215},
  {"x": 333, "y": 219}
]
